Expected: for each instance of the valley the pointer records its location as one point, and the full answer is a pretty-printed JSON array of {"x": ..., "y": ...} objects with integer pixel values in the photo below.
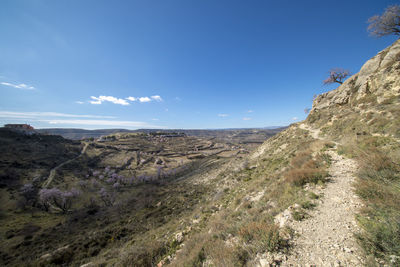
[
  {"x": 322, "y": 191},
  {"x": 128, "y": 184}
]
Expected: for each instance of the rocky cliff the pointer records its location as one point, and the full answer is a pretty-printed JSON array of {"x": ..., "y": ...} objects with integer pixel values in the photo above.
[
  {"x": 368, "y": 101},
  {"x": 379, "y": 77}
]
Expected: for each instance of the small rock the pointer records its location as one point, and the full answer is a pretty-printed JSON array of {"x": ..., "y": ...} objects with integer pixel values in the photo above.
[
  {"x": 263, "y": 263},
  {"x": 348, "y": 250},
  {"x": 179, "y": 237},
  {"x": 45, "y": 256}
]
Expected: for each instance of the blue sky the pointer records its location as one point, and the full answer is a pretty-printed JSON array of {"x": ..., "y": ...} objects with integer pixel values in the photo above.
[{"x": 181, "y": 63}]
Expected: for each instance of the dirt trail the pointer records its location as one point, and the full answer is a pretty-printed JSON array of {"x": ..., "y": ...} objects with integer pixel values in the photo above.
[
  {"x": 54, "y": 170},
  {"x": 313, "y": 132},
  {"x": 327, "y": 237}
]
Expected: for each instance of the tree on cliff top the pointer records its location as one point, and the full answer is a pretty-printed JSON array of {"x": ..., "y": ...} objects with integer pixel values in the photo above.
[
  {"x": 337, "y": 76},
  {"x": 386, "y": 24}
]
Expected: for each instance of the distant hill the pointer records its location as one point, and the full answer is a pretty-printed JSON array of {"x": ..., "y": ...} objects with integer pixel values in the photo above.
[
  {"x": 31, "y": 156},
  {"x": 77, "y": 134},
  {"x": 257, "y": 135}
]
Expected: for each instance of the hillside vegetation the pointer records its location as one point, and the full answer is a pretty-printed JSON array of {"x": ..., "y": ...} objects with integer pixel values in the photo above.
[
  {"x": 155, "y": 199},
  {"x": 364, "y": 115}
]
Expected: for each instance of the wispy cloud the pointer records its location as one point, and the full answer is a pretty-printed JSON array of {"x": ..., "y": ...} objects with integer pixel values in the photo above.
[
  {"x": 22, "y": 86},
  {"x": 295, "y": 119},
  {"x": 223, "y": 115},
  {"x": 246, "y": 118},
  {"x": 33, "y": 115},
  {"x": 79, "y": 102},
  {"x": 113, "y": 123},
  {"x": 49, "y": 119},
  {"x": 250, "y": 111},
  {"x": 156, "y": 98},
  {"x": 99, "y": 100}
]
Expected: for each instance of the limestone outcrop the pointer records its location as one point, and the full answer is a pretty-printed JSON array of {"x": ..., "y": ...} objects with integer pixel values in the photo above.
[{"x": 379, "y": 77}]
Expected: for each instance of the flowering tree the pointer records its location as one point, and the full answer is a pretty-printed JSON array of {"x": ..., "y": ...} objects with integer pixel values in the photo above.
[
  {"x": 159, "y": 172},
  {"x": 56, "y": 197},
  {"x": 83, "y": 184},
  {"x": 337, "y": 76},
  {"x": 386, "y": 24},
  {"x": 117, "y": 186},
  {"x": 29, "y": 193},
  {"x": 107, "y": 197},
  {"x": 107, "y": 169}
]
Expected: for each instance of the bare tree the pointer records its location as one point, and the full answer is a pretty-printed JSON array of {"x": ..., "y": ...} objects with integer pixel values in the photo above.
[
  {"x": 337, "y": 76},
  {"x": 386, "y": 24}
]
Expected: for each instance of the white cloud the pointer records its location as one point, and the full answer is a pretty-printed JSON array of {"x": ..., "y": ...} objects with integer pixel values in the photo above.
[
  {"x": 114, "y": 123},
  {"x": 154, "y": 119},
  {"x": 131, "y": 98},
  {"x": 33, "y": 115},
  {"x": 295, "y": 119},
  {"x": 79, "y": 102},
  {"x": 19, "y": 86},
  {"x": 144, "y": 99},
  {"x": 250, "y": 111},
  {"x": 223, "y": 115},
  {"x": 99, "y": 100},
  {"x": 246, "y": 118},
  {"x": 156, "y": 98}
]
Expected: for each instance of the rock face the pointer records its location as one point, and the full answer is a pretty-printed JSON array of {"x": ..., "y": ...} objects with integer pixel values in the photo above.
[
  {"x": 366, "y": 103},
  {"x": 379, "y": 76}
]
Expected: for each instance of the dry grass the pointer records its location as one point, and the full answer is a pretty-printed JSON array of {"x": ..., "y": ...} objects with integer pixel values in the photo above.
[
  {"x": 261, "y": 236},
  {"x": 306, "y": 169},
  {"x": 203, "y": 248},
  {"x": 379, "y": 188}
]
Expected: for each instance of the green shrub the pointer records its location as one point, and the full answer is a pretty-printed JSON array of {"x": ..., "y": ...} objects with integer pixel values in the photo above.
[
  {"x": 298, "y": 215},
  {"x": 382, "y": 233},
  {"x": 312, "y": 195},
  {"x": 307, "y": 205}
]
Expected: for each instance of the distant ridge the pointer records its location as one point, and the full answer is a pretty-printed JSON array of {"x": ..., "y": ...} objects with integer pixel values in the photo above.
[{"x": 77, "y": 134}]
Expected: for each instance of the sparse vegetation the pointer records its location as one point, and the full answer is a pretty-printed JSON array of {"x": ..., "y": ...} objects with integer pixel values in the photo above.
[{"x": 378, "y": 187}]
